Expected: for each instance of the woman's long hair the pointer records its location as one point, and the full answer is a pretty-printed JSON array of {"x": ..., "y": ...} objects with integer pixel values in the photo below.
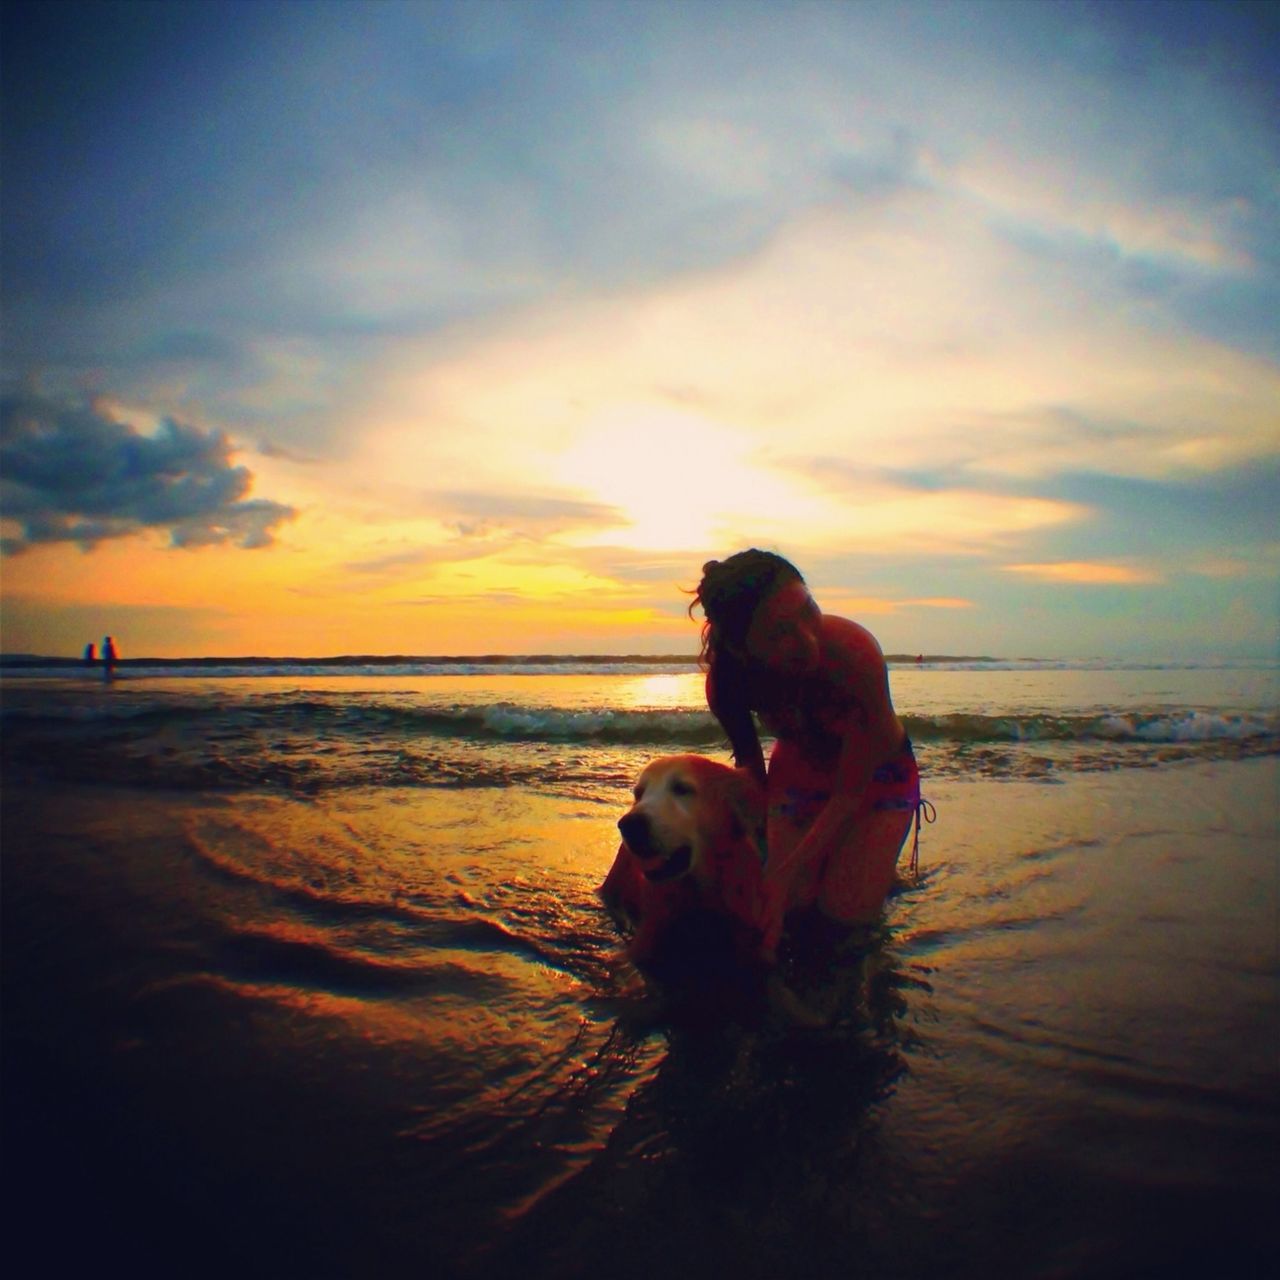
[{"x": 728, "y": 595}]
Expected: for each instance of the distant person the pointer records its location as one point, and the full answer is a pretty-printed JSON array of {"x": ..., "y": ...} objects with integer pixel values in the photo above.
[
  {"x": 91, "y": 654},
  {"x": 109, "y": 658},
  {"x": 842, "y": 781}
]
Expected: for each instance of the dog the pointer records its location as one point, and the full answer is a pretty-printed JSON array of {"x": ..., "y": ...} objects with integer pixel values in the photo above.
[{"x": 689, "y": 871}]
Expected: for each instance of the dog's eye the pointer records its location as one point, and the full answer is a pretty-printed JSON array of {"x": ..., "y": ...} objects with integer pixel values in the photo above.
[
  {"x": 638, "y": 792},
  {"x": 681, "y": 788}
]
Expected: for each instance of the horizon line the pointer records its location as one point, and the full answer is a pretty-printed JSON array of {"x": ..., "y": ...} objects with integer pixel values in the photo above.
[
  {"x": 391, "y": 659},
  {"x": 18, "y": 661}
]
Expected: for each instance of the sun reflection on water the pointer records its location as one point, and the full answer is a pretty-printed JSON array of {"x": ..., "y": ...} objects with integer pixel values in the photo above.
[{"x": 664, "y": 691}]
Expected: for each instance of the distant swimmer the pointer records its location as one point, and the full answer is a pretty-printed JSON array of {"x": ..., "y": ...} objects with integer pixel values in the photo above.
[
  {"x": 91, "y": 654},
  {"x": 109, "y": 658}
]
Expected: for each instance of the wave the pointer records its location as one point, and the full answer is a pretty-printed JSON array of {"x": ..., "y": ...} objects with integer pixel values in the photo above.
[
  {"x": 507, "y": 721},
  {"x": 587, "y": 772},
  {"x": 500, "y": 721},
  {"x": 584, "y": 738},
  {"x": 1137, "y": 727},
  {"x": 513, "y": 722}
]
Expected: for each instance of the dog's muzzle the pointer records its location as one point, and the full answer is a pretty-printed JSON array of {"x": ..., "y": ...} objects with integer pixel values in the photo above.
[{"x": 655, "y": 865}]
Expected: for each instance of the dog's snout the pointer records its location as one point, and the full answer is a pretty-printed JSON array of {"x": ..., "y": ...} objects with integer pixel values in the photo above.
[{"x": 635, "y": 830}]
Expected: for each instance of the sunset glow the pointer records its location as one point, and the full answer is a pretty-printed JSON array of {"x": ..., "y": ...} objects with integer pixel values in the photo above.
[{"x": 491, "y": 357}]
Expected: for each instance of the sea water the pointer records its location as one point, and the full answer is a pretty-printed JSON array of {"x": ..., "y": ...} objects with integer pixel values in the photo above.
[{"x": 305, "y": 973}]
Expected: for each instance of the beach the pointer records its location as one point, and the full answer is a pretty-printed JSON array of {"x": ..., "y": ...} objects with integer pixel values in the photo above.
[{"x": 305, "y": 973}]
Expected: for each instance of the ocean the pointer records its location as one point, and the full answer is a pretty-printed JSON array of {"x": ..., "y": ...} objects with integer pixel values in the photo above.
[{"x": 304, "y": 973}]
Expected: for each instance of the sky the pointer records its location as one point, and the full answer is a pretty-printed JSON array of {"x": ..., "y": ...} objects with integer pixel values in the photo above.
[{"x": 425, "y": 328}]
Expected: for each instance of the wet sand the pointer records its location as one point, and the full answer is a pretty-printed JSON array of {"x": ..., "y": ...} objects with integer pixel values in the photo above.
[{"x": 373, "y": 1032}]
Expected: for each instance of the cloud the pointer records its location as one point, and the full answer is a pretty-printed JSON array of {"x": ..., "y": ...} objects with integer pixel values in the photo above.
[
  {"x": 269, "y": 449},
  {"x": 74, "y": 473},
  {"x": 859, "y": 606},
  {"x": 1091, "y": 573},
  {"x": 1048, "y": 207},
  {"x": 632, "y": 567},
  {"x": 1225, "y": 567},
  {"x": 392, "y": 563},
  {"x": 477, "y": 511},
  {"x": 938, "y": 602},
  {"x": 471, "y": 524},
  {"x": 876, "y": 511},
  {"x": 510, "y": 158},
  {"x": 1228, "y": 514}
]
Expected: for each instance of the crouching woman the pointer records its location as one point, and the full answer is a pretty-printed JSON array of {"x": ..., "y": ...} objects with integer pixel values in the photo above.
[{"x": 841, "y": 781}]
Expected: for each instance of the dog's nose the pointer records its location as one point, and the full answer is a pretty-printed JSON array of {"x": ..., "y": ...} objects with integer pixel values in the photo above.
[{"x": 635, "y": 831}]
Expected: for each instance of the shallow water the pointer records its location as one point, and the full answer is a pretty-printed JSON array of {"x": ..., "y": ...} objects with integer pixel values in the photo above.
[
  {"x": 300, "y": 1022},
  {"x": 586, "y": 733}
]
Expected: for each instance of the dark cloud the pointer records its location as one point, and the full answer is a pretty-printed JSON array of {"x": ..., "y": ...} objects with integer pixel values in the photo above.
[
  {"x": 73, "y": 473},
  {"x": 1229, "y": 511}
]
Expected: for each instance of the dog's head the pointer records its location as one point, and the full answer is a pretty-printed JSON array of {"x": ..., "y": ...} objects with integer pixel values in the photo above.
[{"x": 688, "y": 812}]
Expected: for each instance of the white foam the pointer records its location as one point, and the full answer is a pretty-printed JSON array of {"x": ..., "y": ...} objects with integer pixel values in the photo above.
[{"x": 1189, "y": 726}]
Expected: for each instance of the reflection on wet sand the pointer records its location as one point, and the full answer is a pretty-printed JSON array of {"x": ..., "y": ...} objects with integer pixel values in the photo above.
[{"x": 384, "y": 1030}]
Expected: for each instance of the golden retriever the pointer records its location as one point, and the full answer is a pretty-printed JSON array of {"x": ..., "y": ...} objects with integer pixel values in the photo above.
[{"x": 691, "y": 855}]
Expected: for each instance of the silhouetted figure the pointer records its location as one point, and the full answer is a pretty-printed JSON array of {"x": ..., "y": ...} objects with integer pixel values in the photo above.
[
  {"x": 109, "y": 658},
  {"x": 91, "y": 654}
]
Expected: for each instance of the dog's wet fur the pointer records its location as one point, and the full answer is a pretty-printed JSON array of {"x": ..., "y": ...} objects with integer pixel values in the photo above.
[
  {"x": 686, "y": 887},
  {"x": 687, "y": 879}
]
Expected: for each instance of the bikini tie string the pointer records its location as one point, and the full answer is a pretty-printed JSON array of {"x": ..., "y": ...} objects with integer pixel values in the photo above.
[{"x": 926, "y": 811}]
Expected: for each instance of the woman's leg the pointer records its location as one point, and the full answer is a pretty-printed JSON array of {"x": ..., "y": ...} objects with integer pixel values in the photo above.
[
  {"x": 797, "y": 791},
  {"x": 859, "y": 875}
]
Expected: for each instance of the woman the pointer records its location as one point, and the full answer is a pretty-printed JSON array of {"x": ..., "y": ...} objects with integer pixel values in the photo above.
[{"x": 842, "y": 781}]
